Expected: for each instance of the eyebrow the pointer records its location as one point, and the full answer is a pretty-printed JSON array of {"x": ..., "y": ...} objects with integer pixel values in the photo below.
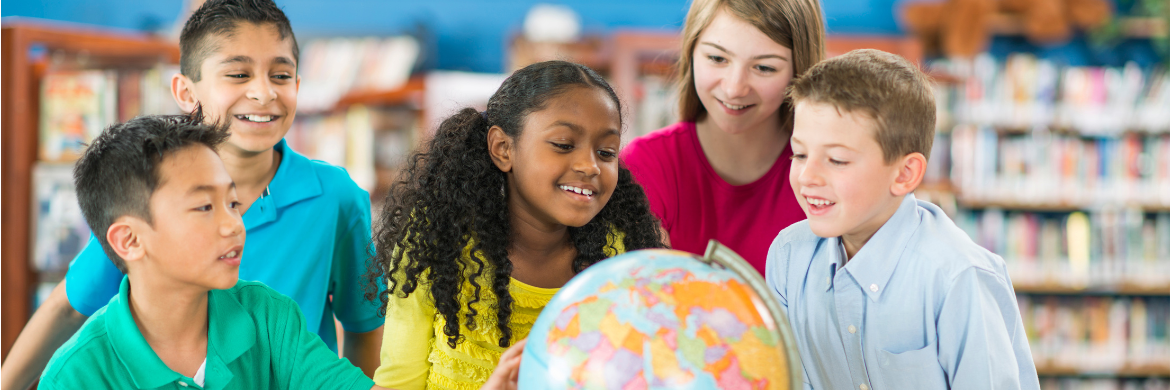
[
  {"x": 207, "y": 188},
  {"x": 579, "y": 130},
  {"x": 282, "y": 60},
  {"x": 759, "y": 57}
]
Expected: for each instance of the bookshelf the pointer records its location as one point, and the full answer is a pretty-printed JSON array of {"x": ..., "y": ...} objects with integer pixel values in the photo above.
[{"x": 31, "y": 50}]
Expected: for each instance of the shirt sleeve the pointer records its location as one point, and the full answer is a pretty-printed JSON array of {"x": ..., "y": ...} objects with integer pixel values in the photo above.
[
  {"x": 303, "y": 361},
  {"x": 776, "y": 271},
  {"x": 350, "y": 261},
  {"x": 406, "y": 343},
  {"x": 982, "y": 344},
  {"x": 638, "y": 158},
  {"x": 92, "y": 279}
]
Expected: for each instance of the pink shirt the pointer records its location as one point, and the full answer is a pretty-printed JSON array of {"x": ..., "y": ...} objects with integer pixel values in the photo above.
[{"x": 696, "y": 205}]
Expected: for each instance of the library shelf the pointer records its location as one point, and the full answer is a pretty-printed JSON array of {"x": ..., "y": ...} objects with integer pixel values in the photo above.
[
  {"x": 22, "y": 74},
  {"x": 1125, "y": 289},
  {"x": 1053, "y": 207},
  {"x": 410, "y": 93},
  {"x": 1131, "y": 26},
  {"x": 1126, "y": 371}
]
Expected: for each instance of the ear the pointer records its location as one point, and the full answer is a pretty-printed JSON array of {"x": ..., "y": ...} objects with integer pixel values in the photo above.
[
  {"x": 183, "y": 90},
  {"x": 911, "y": 169},
  {"x": 500, "y": 146},
  {"x": 124, "y": 240}
]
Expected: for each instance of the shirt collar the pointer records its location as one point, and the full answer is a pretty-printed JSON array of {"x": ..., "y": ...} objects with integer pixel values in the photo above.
[
  {"x": 231, "y": 332},
  {"x": 295, "y": 178},
  {"x": 873, "y": 265}
]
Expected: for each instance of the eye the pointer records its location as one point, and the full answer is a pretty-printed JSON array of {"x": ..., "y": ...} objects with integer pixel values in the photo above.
[
  {"x": 235, "y": 205},
  {"x": 606, "y": 154},
  {"x": 206, "y": 207},
  {"x": 765, "y": 68},
  {"x": 237, "y": 75},
  {"x": 563, "y": 147},
  {"x": 282, "y": 77},
  {"x": 837, "y": 162},
  {"x": 798, "y": 156},
  {"x": 716, "y": 59}
]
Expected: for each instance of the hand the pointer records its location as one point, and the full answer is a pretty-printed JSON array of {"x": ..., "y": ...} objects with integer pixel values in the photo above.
[{"x": 507, "y": 373}]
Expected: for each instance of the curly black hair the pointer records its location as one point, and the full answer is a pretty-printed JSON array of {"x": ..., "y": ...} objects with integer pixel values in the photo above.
[{"x": 450, "y": 195}]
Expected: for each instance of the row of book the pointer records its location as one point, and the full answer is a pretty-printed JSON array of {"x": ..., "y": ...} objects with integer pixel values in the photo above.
[
  {"x": 364, "y": 140},
  {"x": 76, "y": 105},
  {"x": 1102, "y": 248},
  {"x": 331, "y": 68},
  {"x": 1098, "y": 334},
  {"x": 1045, "y": 168},
  {"x": 1027, "y": 92}
]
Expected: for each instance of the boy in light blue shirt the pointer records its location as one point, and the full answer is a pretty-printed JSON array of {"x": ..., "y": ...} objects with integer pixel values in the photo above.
[{"x": 883, "y": 291}]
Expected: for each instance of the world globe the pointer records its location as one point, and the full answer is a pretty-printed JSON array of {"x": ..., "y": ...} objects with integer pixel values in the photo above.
[{"x": 663, "y": 319}]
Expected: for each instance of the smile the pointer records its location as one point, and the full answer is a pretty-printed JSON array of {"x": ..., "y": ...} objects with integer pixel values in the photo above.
[
  {"x": 734, "y": 107},
  {"x": 257, "y": 118},
  {"x": 577, "y": 190},
  {"x": 229, "y": 255},
  {"x": 819, "y": 202}
]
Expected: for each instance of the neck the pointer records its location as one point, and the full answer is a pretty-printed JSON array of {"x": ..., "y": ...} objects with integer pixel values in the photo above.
[
  {"x": 541, "y": 255},
  {"x": 172, "y": 320},
  {"x": 743, "y": 157},
  {"x": 251, "y": 171},
  {"x": 855, "y": 240}
]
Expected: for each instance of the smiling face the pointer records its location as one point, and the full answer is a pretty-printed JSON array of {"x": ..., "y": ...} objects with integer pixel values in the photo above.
[
  {"x": 250, "y": 80},
  {"x": 740, "y": 75},
  {"x": 197, "y": 236},
  {"x": 564, "y": 167},
  {"x": 839, "y": 175}
]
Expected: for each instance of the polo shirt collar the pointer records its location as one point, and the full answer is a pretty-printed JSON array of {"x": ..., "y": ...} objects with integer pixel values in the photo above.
[
  {"x": 231, "y": 332},
  {"x": 874, "y": 264},
  {"x": 295, "y": 180}
]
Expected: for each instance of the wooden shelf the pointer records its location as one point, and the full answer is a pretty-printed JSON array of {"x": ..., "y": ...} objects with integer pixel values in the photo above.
[
  {"x": 1131, "y": 27},
  {"x": 1052, "y": 206},
  {"x": 1127, "y": 371},
  {"x": 410, "y": 93},
  {"x": 1062, "y": 289},
  {"x": 98, "y": 48}
]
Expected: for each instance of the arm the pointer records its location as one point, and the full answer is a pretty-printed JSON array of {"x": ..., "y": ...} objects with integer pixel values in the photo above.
[
  {"x": 981, "y": 336},
  {"x": 362, "y": 350},
  {"x": 300, "y": 359},
  {"x": 406, "y": 341},
  {"x": 50, "y": 326}
]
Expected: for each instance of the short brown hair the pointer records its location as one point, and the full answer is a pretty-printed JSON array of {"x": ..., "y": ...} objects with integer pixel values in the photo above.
[
  {"x": 795, "y": 24},
  {"x": 886, "y": 87}
]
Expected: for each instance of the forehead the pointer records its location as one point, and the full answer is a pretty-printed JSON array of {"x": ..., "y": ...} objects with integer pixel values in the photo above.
[
  {"x": 822, "y": 123},
  {"x": 584, "y": 105},
  {"x": 258, "y": 42},
  {"x": 190, "y": 166},
  {"x": 728, "y": 30}
]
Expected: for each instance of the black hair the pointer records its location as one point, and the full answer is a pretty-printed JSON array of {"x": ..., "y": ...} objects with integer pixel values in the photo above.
[
  {"x": 119, "y": 171},
  {"x": 450, "y": 195},
  {"x": 221, "y": 17}
]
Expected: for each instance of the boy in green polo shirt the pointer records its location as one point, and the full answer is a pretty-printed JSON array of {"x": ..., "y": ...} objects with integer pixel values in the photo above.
[{"x": 165, "y": 211}]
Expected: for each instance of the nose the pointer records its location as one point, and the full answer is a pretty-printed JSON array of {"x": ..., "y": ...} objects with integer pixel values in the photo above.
[
  {"x": 809, "y": 173},
  {"x": 260, "y": 89},
  {"x": 230, "y": 223},
  {"x": 586, "y": 164},
  {"x": 735, "y": 85}
]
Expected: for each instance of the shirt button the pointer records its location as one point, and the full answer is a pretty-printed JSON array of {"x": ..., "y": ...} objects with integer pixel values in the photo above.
[
  {"x": 874, "y": 288},
  {"x": 184, "y": 384},
  {"x": 863, "y": 387},
  {"x": 852, "y": 329}
]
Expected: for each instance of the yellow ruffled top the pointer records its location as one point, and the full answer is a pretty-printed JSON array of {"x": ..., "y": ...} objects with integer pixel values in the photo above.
[{"x": 415, "y": 354}]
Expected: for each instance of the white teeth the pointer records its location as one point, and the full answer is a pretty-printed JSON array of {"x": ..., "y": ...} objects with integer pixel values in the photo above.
[
  {"x": 577, "y": 190},
  {"x": 257, "y": 118},
  {"x": 734, "y": 107},
  {"x": 229, "y": 255},
  {"x": 819, "y": 202}
]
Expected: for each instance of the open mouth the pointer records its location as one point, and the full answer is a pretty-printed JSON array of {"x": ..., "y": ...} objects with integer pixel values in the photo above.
[
  {"x": 577, "y": 190},
  {"x": 257, "y": 118},
  {"x": 818, "y": 204},
  {"x": 232, "y": 257}
]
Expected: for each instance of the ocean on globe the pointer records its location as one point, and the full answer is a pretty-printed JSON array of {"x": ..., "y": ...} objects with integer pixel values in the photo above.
[{"x": 662, "y": 319}]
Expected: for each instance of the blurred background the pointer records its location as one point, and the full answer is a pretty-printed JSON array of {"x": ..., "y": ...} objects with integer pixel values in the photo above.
[{"x": 1052, "y": 148}]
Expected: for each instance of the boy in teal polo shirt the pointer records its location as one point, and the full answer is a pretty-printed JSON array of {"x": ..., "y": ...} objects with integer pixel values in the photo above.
[
  {"x": 166, "y": 212},
  {"x": 308, "y": 224}
]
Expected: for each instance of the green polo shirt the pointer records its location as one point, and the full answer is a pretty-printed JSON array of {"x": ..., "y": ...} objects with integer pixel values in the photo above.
[{"x": 257, "y": 339}]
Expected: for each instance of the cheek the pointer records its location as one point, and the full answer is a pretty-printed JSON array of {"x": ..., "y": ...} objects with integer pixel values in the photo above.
[{"x": 705, "y": 78}]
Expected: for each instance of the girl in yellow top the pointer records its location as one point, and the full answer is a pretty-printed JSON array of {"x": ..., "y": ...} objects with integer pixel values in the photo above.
[{"x": 497, "y": 212}]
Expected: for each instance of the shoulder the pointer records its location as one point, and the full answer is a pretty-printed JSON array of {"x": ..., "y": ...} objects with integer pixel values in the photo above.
[
  {"x": 666, "y": 141},
  {"x": 949, "y": 250},
  {"x": 795, "y": 235},
  {"x": 88, "y": 349},
  {"x": 795, "y": 244},
  {"x": 257, "y": 295}
]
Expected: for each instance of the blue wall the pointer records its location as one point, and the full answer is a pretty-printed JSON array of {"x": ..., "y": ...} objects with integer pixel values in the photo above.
[{"x": 466, "y": 34}]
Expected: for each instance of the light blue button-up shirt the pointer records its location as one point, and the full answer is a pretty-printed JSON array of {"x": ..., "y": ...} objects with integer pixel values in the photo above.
[{"x": 920, "y": 306}]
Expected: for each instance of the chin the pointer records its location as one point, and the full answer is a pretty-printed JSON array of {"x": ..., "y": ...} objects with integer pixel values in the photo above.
[{"x": 821, "y": 230}]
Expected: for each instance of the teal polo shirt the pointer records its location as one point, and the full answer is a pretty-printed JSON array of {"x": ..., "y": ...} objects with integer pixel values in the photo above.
[
  {"x": 307, "y": 239},
  {"x": 256, "y": 339}
]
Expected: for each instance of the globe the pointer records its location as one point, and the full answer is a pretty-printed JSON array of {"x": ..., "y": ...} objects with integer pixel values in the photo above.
[{"x": 659, "y": 319}]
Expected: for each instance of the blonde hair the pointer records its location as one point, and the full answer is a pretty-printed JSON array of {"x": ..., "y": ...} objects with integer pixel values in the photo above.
[
  {"x": 886, "y": 87},
  {"x": 796, "y": 24}
]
